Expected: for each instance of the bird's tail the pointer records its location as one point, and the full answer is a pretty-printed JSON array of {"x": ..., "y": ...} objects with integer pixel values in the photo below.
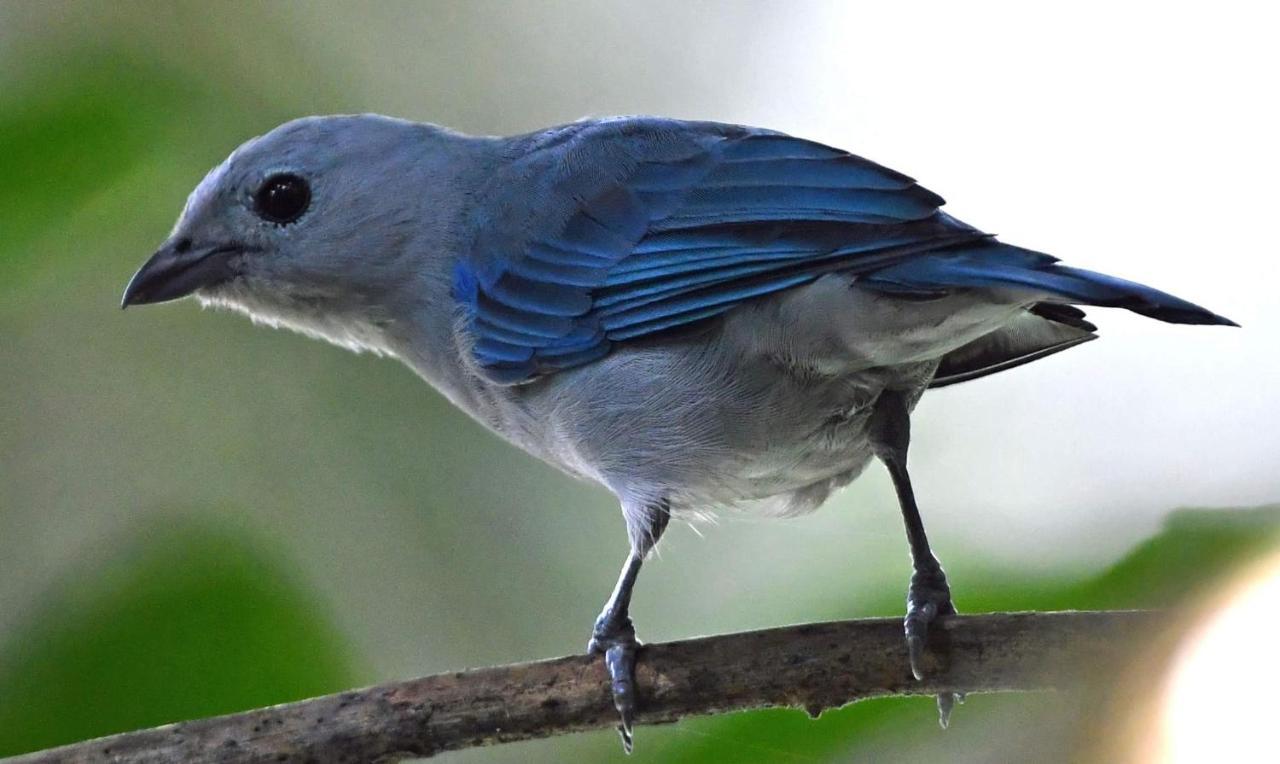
[{"x": 994, "y": 264}]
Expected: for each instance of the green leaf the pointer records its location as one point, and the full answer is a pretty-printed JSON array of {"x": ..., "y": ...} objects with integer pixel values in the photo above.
[
  {"x": 182, "y": 623},
  {"x": 1196, "y": 549},
  {"x": 69, "y": 133}
]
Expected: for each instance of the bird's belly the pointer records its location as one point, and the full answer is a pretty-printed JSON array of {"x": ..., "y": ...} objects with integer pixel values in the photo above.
[
  {"x": 768, "y": 406},
  {"x": 795, "y": 473},
  {"x": 670, "y": 423}
]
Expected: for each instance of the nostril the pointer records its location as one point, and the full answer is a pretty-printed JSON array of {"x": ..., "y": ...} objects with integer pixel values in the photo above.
[{"x": 182, "y": 246}]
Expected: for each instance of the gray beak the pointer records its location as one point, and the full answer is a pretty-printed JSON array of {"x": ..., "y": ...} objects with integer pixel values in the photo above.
[{"x": 177, "y": 269}]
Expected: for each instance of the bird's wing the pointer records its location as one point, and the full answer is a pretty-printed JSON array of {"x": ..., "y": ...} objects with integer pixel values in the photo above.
[{"x": 601, "y": 232}]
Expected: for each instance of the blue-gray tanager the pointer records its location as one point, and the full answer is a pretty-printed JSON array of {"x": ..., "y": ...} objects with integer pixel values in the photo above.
[{"x": 697, "y": 316}]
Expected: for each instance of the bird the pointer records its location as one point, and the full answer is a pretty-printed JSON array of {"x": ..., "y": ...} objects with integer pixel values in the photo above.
[{"x": 701, "y": 317}]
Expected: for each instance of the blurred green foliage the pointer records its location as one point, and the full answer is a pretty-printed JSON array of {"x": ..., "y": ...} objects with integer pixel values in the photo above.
[
  {"x": 1196, "y": 549},
  {"x": 69, "y": 134},
  {"x": 180, "y": 622}
]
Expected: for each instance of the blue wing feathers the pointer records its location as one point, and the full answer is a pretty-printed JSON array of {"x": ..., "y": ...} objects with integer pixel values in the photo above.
[
  {"x": 527, "y": 322},
  {"x": 733, "y": 215},
  {"x": 792, "y": 202},
  {"x": 618, "y": 211},
  {"x": 509, "y": 373},
  {"x": 549, "y": 298},
  {"x": 668, "y": 223},
  {"x": 995, "y": 264},
  {"x": 727, "y": 294},
  {"x": 559, "y": 253},
  {"x": 539, "y": 269},
  {"x": 488, "y": 349},
  {"x": 768, "y": 145},
  {"x": 769, "y": 279},
  {"x": 775, "y": 214},
  {"x": 671, "y": 321},
  {"x": 485, "y": 328},
  {"x": 606, "y": 300},
  {"x": 585, "y": 235},
  {"x": 565, "y": 349},
  {"x": 670, "y": 265},
  {"x": 555, "y": 362},
  {"x": 840, "y": 172},
  {"x": 653, "y": 179}
]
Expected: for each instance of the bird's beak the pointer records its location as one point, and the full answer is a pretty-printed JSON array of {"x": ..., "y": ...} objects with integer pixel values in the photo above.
[{"x": 177, "y": 269}]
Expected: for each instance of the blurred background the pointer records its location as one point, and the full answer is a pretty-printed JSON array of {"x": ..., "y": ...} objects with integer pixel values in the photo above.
[{"x": 199, "y": 516}]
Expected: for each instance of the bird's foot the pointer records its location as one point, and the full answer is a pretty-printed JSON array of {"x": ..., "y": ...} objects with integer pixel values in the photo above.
[
  {"x": 616, "y": 641},
  {"x": 928, "y": 597}
]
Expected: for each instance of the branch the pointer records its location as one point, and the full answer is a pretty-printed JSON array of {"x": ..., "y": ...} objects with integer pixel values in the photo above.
[{"x": 813, "y": 666}]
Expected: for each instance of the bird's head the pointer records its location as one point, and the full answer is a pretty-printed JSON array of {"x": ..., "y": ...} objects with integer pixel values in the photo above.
[{"x": 311, "y": 226}]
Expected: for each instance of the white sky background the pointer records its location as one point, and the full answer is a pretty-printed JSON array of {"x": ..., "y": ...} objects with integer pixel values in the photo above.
[{"x": 1138, "y": 140}]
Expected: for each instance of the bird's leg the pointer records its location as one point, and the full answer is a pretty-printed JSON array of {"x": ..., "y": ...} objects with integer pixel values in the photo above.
[
  {"x": 928, "y": 596},
  {"x": 613, "y": 635}
]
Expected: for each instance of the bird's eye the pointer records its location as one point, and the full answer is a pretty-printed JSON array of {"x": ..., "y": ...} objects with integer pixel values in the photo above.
[{"x": 282, "y": 198}]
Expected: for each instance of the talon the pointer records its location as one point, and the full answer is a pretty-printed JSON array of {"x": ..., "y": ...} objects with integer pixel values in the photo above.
[
  {"x": 620, "y": 660},
  {"x": 628, "y": 742},
  {"x": 946, "y": 703},
  {"x": 916, "y": 627},
  {"x": 928, "y": 597},
  {"x": 915, "y": 653},
  {"x": 618, "y": 644}
]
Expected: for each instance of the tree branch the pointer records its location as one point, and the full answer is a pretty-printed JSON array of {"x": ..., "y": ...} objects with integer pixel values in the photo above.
[{"x": 813, "y": 666}]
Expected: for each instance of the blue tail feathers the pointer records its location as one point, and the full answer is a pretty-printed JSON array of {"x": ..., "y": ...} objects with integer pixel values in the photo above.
[{"x": 994, "y": 264}]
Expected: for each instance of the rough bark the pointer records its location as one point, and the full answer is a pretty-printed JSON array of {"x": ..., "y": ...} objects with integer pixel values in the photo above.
[{"x": 813, "y": 666}]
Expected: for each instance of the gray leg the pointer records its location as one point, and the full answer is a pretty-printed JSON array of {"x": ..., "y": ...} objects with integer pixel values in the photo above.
[
  {"x": 613, "y": 635},
  {"x": 928, "y": 596}
]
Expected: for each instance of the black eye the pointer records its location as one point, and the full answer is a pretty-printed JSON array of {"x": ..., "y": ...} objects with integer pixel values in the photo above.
[{"x": 282, "y": 198}]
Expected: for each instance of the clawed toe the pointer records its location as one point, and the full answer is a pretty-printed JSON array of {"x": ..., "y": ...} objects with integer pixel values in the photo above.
[
  {"x": 916, "y": 627},
  {"x": 617, "y": 643},
  {"x": 928, "y": 597}
]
